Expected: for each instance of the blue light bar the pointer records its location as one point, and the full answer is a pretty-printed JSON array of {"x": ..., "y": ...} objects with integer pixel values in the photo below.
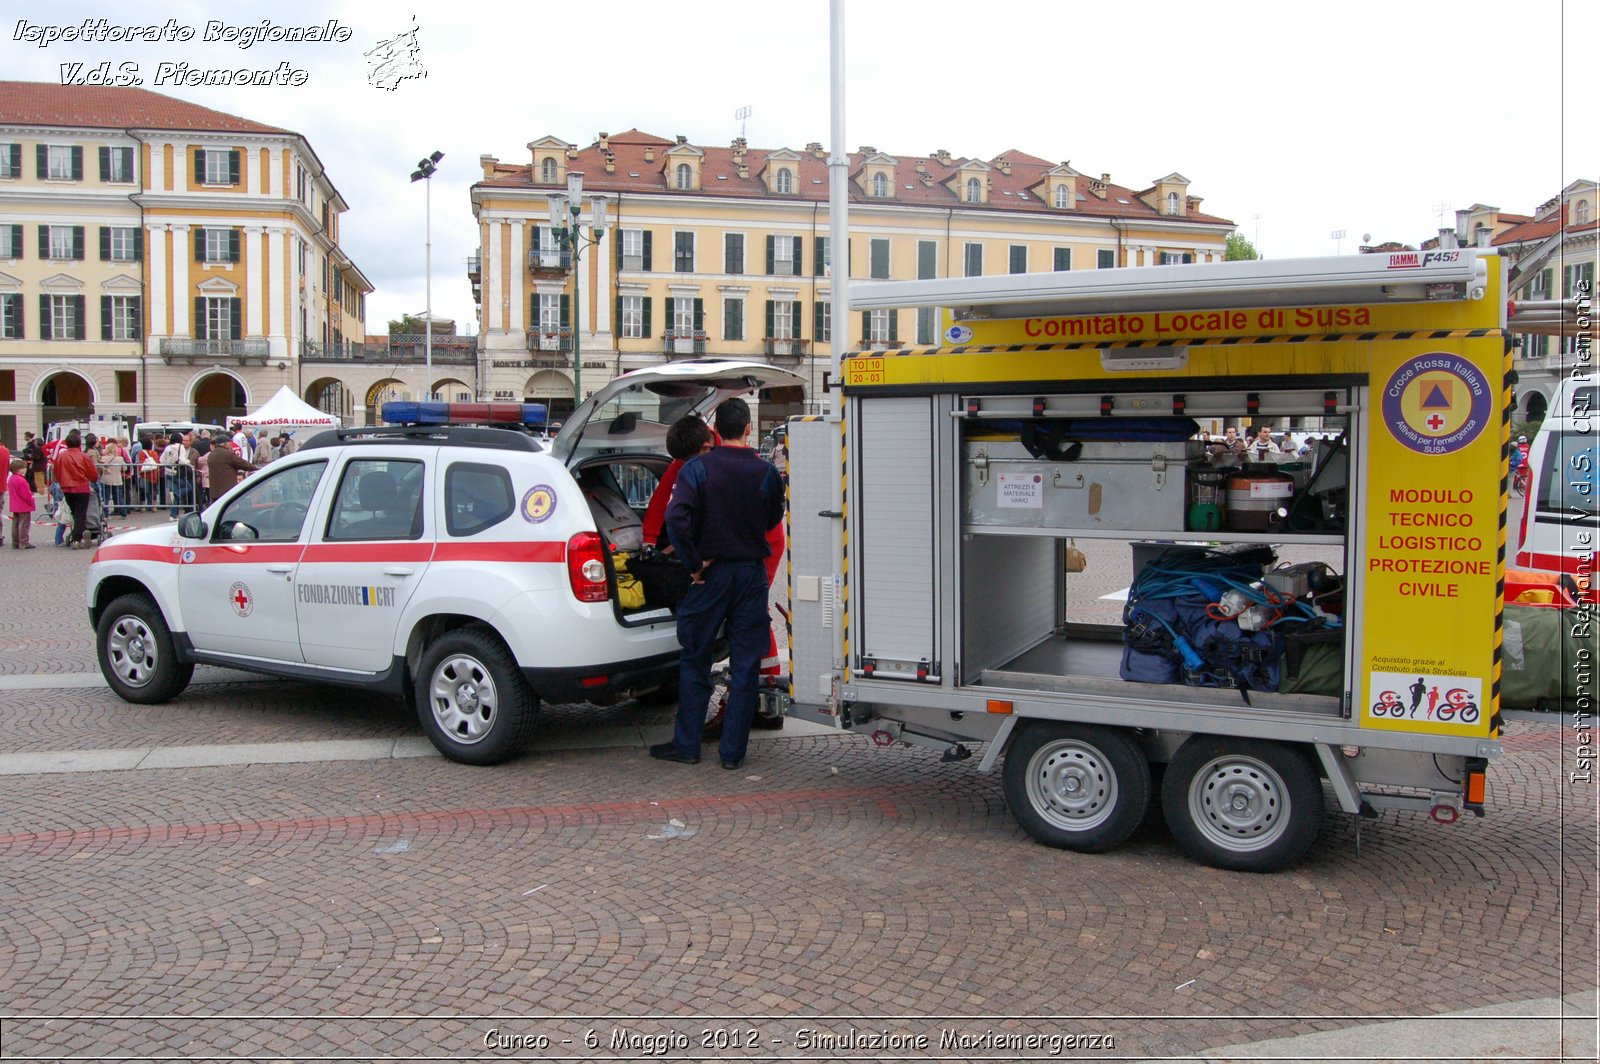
[{"x": 432, "y": 412}]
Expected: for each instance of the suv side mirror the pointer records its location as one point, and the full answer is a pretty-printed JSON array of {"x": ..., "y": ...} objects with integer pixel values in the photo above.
[{"x": 192, "y": 526}]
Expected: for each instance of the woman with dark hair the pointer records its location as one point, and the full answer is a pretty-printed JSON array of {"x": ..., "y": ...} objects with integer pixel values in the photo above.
[{"x": 76, "y": 473}]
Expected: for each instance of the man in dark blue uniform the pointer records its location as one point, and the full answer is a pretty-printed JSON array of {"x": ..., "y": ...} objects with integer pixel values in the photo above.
[{"x": 723, "y": 504}]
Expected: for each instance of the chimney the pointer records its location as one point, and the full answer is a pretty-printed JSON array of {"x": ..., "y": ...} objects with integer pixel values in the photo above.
[
  {"x": 1482, "y": 235},
  {"x": 942, "y": 155},
  {"x": 867, "y": 149},
  {"x": 815, "y": 148},
  {"x": 744, "y": 172},
  {"x": 1447, "y": 238},
  {"x": 488, "y": 162},
  {"x": 572, "y": 151},
  {"x": 682, "y": 139},
  {"x": 1003, "y": 166},
  {"x": 649, "y": 153},
  {"x": 605, "y": 141},
  {"x": 1105, "y": 179}
]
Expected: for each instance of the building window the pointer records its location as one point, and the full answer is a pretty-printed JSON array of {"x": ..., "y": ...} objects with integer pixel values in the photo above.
[
  {"x": 733, "y": 319},
  {"x": 824, "y": 322},
  {"x": 685, "y": 176},
  {"x": 60, "y": 160},
  {"x": 822, "y": 257},
  {"x": 733, "y": 253},
  {"x": 974, "y": 190},
  {"x": 1172, "y": 203},
  {"x": 550, "y": 314},
  {"x": 10, "y": 317},
  {"x": 1580, "y": 212},
  {"x": 1063, "y": 197},
  {"x": 65, "y": 243},
  {"x": 880, "y": 185},
  {"x": 683, "y": 323},
  {"x": 1174, "y": 258},
  {"x": 299, "y": 182},
  {"x": 1017, "y": 261},
  {"x": 10, "y": 241},
  {"x": 926, "y": 323},
  {"x": 127, "y": 386},
  {"x": 783, "y": 256},
  {"x": 782, "y": 319},
  {"x": 218, "y": 167},
  {"x": 122, "y": 244},
  {"x": 927, "y": 259},
  {"x": 1579, "y": 280},
  {"x": 66, "y": 317},
  {"x": 785, "y": 181},
  {"x": 547, "y": 172},
  {"x": 683, "y": 252},
  {"x": 1062, "y": 259},
  {"x": 634, "y": 247},
  {"x": 633, "y": 317},
  {"x": 973, "y": 259},
  {"x": 1105, "y": 259},
  {"x": 116, "y": 165},
  {"x": 10, "y": 160},
  {"x": 218, "y": 319},
  {"x": 122, "y": 318},
  {"x": 880, "y": 326},
  {"x": 220, "y": 247},
  {"x": 878, "y": 259}
]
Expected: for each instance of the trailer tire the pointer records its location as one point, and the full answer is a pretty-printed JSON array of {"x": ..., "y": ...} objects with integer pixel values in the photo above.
[
  {"x": 1244, "y": 805},
  {"x": 1076, "y": 787}
]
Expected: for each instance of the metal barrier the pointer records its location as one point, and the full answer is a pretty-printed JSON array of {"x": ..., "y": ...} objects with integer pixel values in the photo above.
[{"x": 147, "y": 488}]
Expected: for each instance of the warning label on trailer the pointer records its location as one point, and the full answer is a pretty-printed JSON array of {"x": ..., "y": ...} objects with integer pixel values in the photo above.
[{"x": 1019, "y": 491}]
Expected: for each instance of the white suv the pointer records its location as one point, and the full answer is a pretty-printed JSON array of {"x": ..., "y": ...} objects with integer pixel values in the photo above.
[{"x": 468, "y": 570}]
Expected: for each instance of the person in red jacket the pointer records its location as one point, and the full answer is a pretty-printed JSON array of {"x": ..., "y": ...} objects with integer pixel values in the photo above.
[
  {"x": 76, "y": 474},
  {"x": 688, "y": 438}
]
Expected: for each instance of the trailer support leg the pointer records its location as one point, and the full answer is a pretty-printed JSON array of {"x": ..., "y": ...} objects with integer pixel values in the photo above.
[
  {"x": 997, "y": 744},
  {"x": 1339, "y": 774}
]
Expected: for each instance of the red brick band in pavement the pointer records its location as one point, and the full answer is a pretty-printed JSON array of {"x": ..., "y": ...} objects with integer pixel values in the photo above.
[{"x": 72, "y": 841}]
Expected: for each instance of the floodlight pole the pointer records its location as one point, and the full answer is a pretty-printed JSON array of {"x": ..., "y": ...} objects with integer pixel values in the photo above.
[
  {"x": 424, "y": 172},
  {"x": 565, "y": 221}
]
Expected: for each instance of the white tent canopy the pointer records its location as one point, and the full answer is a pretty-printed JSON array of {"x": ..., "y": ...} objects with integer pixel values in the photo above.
[{"x": 285, "y": 412}]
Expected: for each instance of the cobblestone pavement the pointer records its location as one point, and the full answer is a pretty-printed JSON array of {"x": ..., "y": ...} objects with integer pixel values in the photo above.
[{"x": 410, "y": 908}]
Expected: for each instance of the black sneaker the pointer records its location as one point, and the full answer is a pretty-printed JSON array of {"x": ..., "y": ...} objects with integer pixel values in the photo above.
[
  {"x": 670, "y": 752},
  {"x": 763, "y": 722},
  {"x": 733, "y": 766}
]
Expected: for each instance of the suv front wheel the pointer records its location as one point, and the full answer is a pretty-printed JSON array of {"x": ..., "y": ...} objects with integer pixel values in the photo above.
[{"x": 472, "y": 699}]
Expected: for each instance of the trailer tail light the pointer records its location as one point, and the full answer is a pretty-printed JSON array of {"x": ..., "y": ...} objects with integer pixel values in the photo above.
[
  {"x": 586, "y": 567},
  {"x": 1475, "y": 788},
  {"x": 999, "y": 705}
]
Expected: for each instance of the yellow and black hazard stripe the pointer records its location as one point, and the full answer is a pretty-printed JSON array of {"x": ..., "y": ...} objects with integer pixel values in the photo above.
[
  {"x": 1502, "y": 534},
  {"x": 1203, "y": 341},
  {"x": 788, "y": 560},
  {"x": 844, "y": 531}
]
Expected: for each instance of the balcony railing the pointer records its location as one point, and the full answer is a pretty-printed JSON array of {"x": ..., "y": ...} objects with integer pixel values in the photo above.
[
  {"x": 550, "y": 341},
  {"x": 192, "y": 350},
  {"x": 474, "y": 266},
  {"x": 786, "y": 347},
  {"x": 540, "y": 259},
  {"x": 399, "y": 349},
  {"x": 684, "y": 344}
]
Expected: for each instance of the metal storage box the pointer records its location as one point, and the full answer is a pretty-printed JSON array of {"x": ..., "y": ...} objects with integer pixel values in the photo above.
[{"x": 1132, "y": 485}]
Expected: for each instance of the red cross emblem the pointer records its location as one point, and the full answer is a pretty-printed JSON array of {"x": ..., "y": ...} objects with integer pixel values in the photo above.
[
  {"x": 243, "y": 602},
  {"x": 1435, "y": 422}
]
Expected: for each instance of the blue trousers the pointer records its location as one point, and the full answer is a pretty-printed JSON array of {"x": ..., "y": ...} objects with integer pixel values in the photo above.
[{"x": 734, "y": 593}]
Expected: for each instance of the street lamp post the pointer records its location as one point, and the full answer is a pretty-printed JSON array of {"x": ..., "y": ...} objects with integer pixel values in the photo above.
[
  {"x": 425, "y": 170},
  {"x": 565, "y": 219}
]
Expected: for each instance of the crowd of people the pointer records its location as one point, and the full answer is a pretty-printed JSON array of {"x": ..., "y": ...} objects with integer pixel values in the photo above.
[
  {"x": 1261, "y": 445},
  {"x": 81, "y": 480}
]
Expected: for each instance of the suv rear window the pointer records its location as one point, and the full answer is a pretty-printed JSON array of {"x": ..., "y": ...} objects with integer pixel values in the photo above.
[{"x": 476, "y": 497}]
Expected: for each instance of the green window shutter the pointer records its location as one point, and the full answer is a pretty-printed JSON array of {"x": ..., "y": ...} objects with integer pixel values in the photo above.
[
  {"x": 644, "y": 316},
  {"x": 236, "y": 313},
  {"x": 566, "y": 311},
  {"x": 536, "y": 245},
  {"x": 233, "y": 245},
  {"x": 41, "y": 161},
  {"x": 45, "y": 324},
  {"x": 77, "y": 242},
  {"x": 927, "y": 259},
  {"x": 105, "y": 243},
  {"x": 816, "y": 321},
  {"x": 77, "y": 175},
  {"x": 799, "y": 256},
  {"x": 866, "y": 327},
  {"x": 647, "y": 242},
  {"x": 44, "y": 242},
  {"x": 137, "y": 303},
  {"x": 233, "y": 176},
  {"x": 699, "y": 315},
  {"x": 16, "y": 240},
  {"x": 796, "y": 318},
  {"x": 105, "y": 313},
  {"x": 772, "y": 258},
  {"x": 817, "y": 255},
  {"x": 105, "y": 164},
  {"x": 616, "y": 256},
  {"x": 618, "y": 318},
  {"x": 671, "y": 321},
  {"x": 200, "y": 331},
  {"x": 78, "y": 330},
  {"x": 768, "y": 333},
  {"x": 199, "y": 244},
  {"x": 200, "y": 166},
  {"x": 16, "y": 315},
  {"x": 894, "y": 326},
  {"x": 879, "y": 267},
  {"x": 533, "y": 313},
  {"x": 138, "y": 245}
]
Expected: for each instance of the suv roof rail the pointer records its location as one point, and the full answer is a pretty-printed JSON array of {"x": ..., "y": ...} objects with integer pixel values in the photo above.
[{"x": 507, "y": 438}]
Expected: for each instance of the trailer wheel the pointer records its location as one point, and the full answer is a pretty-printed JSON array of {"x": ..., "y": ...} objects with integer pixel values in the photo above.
[
  {"x": 1076, "y": 787},
  {"x": 1242, "y": 804}
]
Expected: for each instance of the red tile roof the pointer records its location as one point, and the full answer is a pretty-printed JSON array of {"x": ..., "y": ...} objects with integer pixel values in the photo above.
[
  {"x": 1021, "y": 190},
  {"x": 42, "y": 103}
]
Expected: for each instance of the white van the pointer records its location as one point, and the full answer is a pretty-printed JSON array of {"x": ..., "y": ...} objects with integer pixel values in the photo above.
[
  {"x": 1561, "y": 523},
  {"x": 167, "y": 428}
]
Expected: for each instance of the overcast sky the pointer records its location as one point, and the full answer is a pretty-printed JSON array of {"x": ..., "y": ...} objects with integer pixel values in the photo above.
[{"x": 1292, "y": 120}]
